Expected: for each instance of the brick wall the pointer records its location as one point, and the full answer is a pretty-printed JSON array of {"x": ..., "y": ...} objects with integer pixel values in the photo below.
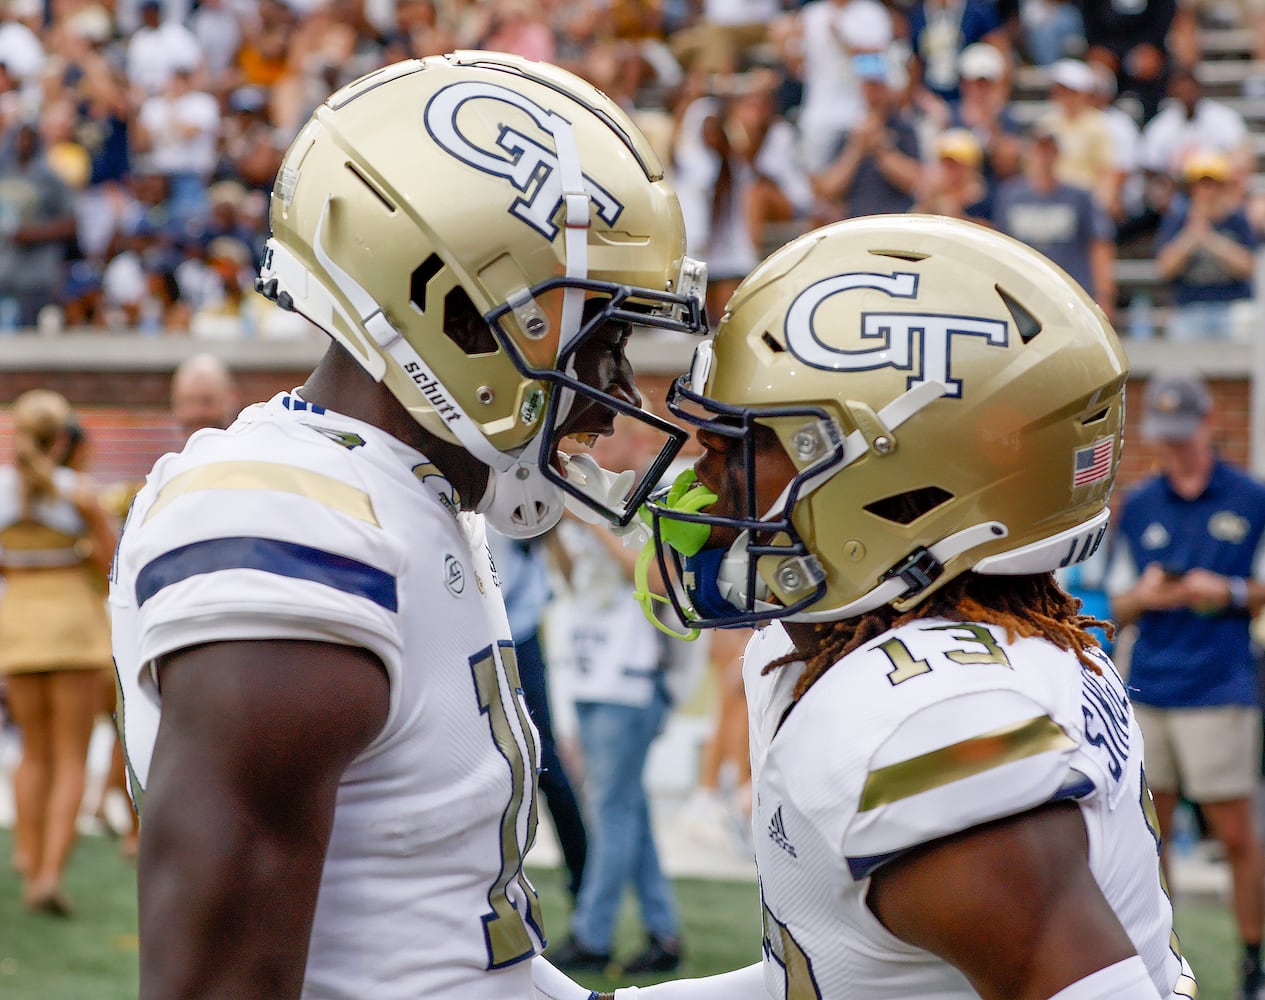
[{"x": 126, "y": 414}]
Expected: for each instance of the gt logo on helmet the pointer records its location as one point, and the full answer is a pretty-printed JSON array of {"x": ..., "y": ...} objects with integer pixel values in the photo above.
[
  {"x": 896, "y": 332},
  {"x": 529, "y": 166}
]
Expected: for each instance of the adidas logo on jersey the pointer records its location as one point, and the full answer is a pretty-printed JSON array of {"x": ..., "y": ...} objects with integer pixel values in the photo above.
[{"x": 777, "y": 833}]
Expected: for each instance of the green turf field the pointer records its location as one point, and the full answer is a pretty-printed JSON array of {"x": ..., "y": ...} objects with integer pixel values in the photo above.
[{"x": 93, "y": 956}]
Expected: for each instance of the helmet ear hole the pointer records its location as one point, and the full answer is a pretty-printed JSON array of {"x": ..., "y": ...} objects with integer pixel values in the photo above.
[{"x": 906, "y": 508}]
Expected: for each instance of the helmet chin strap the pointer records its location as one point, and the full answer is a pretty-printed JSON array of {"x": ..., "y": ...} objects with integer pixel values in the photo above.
[
  {"x": 1064, "y": 548},
  {"x": 575, "y": 237},
  {"x": 896, "y": 586}
]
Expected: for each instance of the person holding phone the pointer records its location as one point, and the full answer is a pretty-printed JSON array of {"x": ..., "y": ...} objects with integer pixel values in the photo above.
[{"x": 1188, "y": 570}]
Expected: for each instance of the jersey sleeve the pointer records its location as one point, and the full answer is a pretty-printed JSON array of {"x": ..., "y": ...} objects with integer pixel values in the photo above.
[
  {"x": 957, "y": 764},
  {"x": 933, "y": 729},
  {"x": 282, "y": 544}
]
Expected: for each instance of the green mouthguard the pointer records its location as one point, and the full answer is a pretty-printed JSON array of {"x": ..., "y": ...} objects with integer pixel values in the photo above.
[{"x": 685, "y": 494}]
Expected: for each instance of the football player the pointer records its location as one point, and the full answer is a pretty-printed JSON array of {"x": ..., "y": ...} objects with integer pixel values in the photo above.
[
  {"x": 321, "y": 708},
  {"x": 908, "y": 423}
]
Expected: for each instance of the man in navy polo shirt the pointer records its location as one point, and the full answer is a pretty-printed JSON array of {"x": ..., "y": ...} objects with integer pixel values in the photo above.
[{"x": 1188, "y": 568}]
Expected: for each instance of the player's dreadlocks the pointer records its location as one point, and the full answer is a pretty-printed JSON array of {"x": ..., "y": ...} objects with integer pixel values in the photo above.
[{"x": 1025, "y": 606}]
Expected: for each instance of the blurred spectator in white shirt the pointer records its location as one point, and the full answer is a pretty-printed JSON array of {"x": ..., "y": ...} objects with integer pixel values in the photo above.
[
  {"x": 217, "y": 25},
  {"x": 704, "y": 170},
  {"x": 736, "y": 171},
  {"x": 1190, "y": 121},
  {"x": 828, "y": 33},
  {"x": 158, "y": 49},
  {"x": 178, "y": 131},
  {"x": 20, "y": 48}
]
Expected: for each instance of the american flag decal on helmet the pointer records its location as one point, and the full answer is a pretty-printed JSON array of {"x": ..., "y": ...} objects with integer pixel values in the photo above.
[{"x": 1093, "y": 463}]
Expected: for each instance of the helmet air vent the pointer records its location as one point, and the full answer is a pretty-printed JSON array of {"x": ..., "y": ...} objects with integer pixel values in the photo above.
[
  {"x": 772, "y": 343},
  {"x": 905, "y": 508},
  {"x": 1025, "y": 322},
  {"x": 373, "y": 188},
  {"x": 430, "y": 267},
  {"x": 906, "y": 255},
  {"x": 463, "y": 325},
  {"x": 1096, "y": 416}
]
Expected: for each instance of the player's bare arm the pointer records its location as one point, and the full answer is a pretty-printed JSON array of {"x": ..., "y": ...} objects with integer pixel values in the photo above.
[
  {"x": 1012, "y": 904},
  {"x": 254, "y": 739}
]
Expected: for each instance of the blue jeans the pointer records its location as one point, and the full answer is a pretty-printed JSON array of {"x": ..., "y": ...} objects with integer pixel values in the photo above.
[
  {"x": 1199, "y": 321},
  {"x": 554, "y": 785},
  {"x": 616, "y": 740}
]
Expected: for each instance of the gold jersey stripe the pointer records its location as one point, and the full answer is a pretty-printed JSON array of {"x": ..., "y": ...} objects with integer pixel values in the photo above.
[
  {"x": 332, "y": 493},
  {"x": 962, "y": 760}
]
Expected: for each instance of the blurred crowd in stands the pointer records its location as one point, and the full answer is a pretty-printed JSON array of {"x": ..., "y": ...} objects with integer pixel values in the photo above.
[{"x": 139, "y": 138}]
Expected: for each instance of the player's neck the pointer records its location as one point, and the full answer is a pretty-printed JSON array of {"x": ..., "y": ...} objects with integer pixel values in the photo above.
[
  {"x": 803, "y": 635},
  {"x": 338, "y": 383}
]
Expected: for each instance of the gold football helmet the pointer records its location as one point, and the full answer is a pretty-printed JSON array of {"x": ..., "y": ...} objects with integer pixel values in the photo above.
[
  {"x": 461, "y": 225},
  {"x": 950, "y": 400}
]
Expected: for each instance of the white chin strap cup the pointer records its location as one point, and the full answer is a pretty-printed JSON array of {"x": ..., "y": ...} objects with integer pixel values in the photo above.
[{"x": 519, "y": 501}]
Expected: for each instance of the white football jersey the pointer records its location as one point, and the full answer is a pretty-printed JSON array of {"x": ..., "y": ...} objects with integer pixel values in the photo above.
[
  {"x": 299, "y": 523},
  {"x": 928, "y": 730}
]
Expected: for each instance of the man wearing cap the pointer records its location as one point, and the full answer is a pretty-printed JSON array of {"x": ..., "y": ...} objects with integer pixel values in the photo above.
[
  {"x": 1086, "y": 156},
  {"x": 1061, "y": 220},
  {"x": 1205, "y": 250},
  {"x": 878, "y": 167},
  {"x": 953, "y": 184},
  {"x": 984, "y": 108},
  {"x": 1188, "y": 570}
]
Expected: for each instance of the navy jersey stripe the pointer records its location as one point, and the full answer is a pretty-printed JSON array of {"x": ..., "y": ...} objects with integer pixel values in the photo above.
[{"x": 301, "y": 562}]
